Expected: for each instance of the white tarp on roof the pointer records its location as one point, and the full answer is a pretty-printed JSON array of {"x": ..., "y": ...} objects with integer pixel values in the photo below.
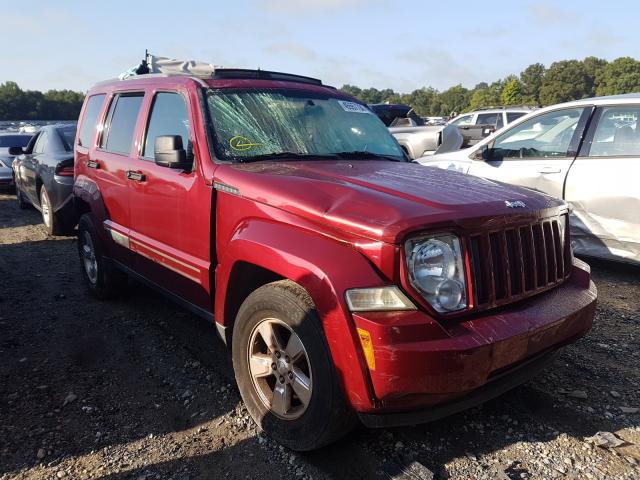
[{"x": 155, "y": 64}]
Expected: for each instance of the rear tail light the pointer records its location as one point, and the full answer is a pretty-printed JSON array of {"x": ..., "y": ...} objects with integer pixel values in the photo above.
[{"x": 64, "y": 171}]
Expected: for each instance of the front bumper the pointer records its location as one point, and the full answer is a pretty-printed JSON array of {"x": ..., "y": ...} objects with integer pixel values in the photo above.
[
  {"x": 421, "y": 363},
  {"x": 6, "y": 178}
]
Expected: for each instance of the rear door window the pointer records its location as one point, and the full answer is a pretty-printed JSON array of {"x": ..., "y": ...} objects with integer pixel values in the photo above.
[
  {"x": 121, "y": 123},
  {"x": 488, "y": 118},
  {"x": 169, "y": 116},
  {"x": 89, "y": 123},
  {"x": 617, "y": 133}
]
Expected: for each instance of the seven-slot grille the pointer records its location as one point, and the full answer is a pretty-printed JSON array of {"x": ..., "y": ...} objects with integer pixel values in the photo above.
[{"x": 519, "y": 261}]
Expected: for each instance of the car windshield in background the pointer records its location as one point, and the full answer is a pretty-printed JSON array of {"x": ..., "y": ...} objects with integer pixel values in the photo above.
[
  {"x": 68, "y": 135},
  {"x": 253, "y": 125},
  {"x": 7, "y": 141}
]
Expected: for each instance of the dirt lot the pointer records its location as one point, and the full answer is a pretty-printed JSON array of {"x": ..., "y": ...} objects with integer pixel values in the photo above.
[{"x": 138, "y": 388}]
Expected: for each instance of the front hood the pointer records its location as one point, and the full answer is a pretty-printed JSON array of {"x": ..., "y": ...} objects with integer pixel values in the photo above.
[
  {"x": 6, "y": 161},
  {"x": 382, "y": 200}
]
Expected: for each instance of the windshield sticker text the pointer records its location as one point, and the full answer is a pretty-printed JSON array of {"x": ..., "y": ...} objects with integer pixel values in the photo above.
[{"x": 353, "y": 107}]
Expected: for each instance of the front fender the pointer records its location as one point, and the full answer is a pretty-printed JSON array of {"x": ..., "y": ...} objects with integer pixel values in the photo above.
[{"x": 326, "y": 268}]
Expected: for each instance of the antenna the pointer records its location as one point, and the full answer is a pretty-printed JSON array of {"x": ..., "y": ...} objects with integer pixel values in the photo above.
[{"x": 143, "y": 68}]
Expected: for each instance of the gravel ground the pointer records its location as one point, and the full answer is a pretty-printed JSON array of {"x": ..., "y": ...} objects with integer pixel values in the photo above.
[{"x": 140, "y": 389}]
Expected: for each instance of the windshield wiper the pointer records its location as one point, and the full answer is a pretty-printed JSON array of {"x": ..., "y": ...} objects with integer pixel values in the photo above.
[
  {"x": 364, "y": 155},
  {"x": 285, "y": 155}
]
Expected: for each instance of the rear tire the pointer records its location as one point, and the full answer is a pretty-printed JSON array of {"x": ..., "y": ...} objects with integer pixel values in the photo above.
[
  {"x": 49, "y": 218},
  {"x": 299, "y": 403},
  {"x": 103, "y": 281}
]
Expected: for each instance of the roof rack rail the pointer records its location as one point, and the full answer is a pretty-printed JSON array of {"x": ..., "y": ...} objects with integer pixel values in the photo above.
[
  {"x": 502, "y": 107},
  {"x": 242, "y": 73}
]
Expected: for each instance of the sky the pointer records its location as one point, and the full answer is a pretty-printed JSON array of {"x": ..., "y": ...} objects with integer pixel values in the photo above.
[{"x": 402, "y": 45}]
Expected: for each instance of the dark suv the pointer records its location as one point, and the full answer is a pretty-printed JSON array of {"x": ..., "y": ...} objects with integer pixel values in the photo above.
[{"x": 349, "y": 283}]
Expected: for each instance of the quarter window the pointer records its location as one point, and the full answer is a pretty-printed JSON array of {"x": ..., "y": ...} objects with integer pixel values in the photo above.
[
  {"x": 89, "y": 123},
  {"x": 123, "y": 114},
  {"x": 169, "y": 116},
  {"x": 617, "y": 133},
  {"x": 546, "y": 135},
  {"x": 511, "y": 116},
  {"x": 41, "y": 143}
]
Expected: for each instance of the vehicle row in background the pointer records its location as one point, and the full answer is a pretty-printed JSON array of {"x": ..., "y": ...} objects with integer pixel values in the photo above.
[
  {"x": 43, "y": 172},
  {"x": 9, "y": 139},
  {"x": 420, "y": 136},
  {"x": 415, "y": 136},
  {"x": 482, "y": 122},
  {"x": 586, "y": 152}
]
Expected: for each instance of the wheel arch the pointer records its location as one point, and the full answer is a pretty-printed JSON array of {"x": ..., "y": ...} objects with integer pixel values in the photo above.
[{"x": 324, "y": 267}]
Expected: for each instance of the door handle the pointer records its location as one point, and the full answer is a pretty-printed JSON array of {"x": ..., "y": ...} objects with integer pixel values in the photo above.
[
  {"x": 136, "y": 176},
  {"x": 545, "y": 170},
  {"x": 93, "y": 164}
]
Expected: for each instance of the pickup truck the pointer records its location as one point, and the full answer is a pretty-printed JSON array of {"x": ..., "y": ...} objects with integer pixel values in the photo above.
[
  {"x": 349, "y": 283},
  {"x": 415, "y": 137}
]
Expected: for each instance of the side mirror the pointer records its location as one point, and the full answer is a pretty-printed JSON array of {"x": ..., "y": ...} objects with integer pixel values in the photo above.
[
  {"x": 170, "y": 153},
  {"x": 482, "y": 154},
  {"x": 15, "y": 151}
]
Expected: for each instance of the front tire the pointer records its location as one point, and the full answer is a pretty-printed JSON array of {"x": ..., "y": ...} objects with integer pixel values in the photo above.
[
  {"x": 22, "y": 203},
  {"x": 284, "y": 370},
  {"x": 102, "y": 280}
]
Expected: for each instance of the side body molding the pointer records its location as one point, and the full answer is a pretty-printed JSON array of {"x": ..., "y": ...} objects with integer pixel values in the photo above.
[{"x": 325, "y": 268}]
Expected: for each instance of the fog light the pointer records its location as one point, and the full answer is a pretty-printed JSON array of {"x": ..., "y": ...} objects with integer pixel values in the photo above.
[{"x": 377, "y": 299}]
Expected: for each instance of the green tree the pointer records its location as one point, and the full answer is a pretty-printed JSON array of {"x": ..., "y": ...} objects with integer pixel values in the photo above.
[
  {"x": 620, "y": 76},
  {"x": 455, "y": 99},
  {"x": 593, "y": 67},
  {"x": 531, "y": 80},
  {"x": 18, "y": 104},
  {"x": 564, "y": 81},
  {"x": 512, "y": 92},
  {"x": 483, "y": 97}
]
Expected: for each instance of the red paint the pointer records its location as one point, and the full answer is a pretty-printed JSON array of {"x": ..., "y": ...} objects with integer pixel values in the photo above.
[{"x": 330, "y": 226}]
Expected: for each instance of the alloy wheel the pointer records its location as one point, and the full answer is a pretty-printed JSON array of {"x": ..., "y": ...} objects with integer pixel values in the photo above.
[
  {"x": 46, "y": 208},
  {"x": 280, "y": 369},
  {"x": 89, "y": 258}
]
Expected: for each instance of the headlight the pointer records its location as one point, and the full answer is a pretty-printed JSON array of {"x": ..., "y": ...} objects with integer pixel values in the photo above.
[{"x": 436, "y": 270}]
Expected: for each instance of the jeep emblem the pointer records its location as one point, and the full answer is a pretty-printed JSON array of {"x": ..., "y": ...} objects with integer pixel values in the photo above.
[{"x": 515, "y": 204}]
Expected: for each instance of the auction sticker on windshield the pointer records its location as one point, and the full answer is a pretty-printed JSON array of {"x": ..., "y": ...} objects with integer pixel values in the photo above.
[{"x": 353, "y": 107}]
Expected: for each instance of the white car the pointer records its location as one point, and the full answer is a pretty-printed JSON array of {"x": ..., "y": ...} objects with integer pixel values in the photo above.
[{"x": 586, "y": 152}]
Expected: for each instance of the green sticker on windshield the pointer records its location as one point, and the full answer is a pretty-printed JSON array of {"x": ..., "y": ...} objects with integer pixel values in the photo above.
[{"x": 241, "y": 143}]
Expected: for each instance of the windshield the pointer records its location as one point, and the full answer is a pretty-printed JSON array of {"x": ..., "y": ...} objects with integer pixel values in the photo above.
[
  {"x": 252, "y": 125},
  {"x": 14, "y": 140}
]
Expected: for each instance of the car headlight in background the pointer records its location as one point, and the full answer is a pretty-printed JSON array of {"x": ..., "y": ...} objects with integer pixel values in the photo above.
[{"x": 436, "y": 270}]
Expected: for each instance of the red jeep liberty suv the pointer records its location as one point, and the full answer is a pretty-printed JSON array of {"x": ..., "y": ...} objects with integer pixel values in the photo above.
[{"x": 349, "y": 282}]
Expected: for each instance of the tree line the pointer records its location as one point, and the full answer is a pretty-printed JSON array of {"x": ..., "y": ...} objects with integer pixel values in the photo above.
[
  {"x": 536, "y": 85},
  {"x": 18, "y": 104}
]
